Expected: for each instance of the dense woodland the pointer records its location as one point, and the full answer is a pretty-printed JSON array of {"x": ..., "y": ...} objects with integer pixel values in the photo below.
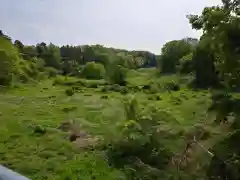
[{"x": 139, "y": 150}]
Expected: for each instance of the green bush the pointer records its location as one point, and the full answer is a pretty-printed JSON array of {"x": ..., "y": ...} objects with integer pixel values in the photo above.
[
  {"x": 124, "y": 90},
  {"x": 27, "y": 70},
  {"x": 138, "y": 148},
  {"x": 116, "y": 74},
  {"x": 8, "y": 61},
  {"x": 42, "y": 76},
  {"x": 186, "y": 64},
  {"x": 40, "y": 130},
  {"x": 51, "y": 71},
  {"x": 115, "y": 88},
  {"x": 135, "y": 88},
  {"x": 172, "y": 86},
  {"x": 69, "y": 92},
  {"x": 154, "y": 88},
  {"x": 93, "y": 70},
  {"x": 69, "y": 109},
  {"x": 154, "y": 97},
  {"x": 92, "y": 85},
  {"x": 104, "y": 97},
  {"x": 23, "y": 77}
]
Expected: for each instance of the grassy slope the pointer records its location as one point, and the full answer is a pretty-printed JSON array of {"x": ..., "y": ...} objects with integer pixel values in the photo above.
[{"x": 52, "y": 156}]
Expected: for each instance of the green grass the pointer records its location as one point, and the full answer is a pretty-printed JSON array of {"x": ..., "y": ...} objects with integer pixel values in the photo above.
[{"x": 51, "y": 155}]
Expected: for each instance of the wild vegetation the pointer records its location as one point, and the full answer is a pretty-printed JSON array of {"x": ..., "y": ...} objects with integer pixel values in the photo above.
[{"x": 91, "y": 112}]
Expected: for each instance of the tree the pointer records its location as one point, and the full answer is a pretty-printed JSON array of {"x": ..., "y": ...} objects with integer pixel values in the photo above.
[
  {"x": 186, "y": 64},
  {"x": 116, "y": 74},
  {"x": 172, "y": 52},
  {"x": 203, "y": 66},
  {"x": 19, "y": 45},
  {"x": 103, "y": 58},
  {"x": 52, "y": 56},
  {"x": 8, "y": 61},
  {"x": 29, "y": 52},
  {"x": 93, "y": 70},
  {"x": 220, "y": 25}
]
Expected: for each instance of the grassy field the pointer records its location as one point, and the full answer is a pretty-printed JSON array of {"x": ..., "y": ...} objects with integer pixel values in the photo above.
[{"x": 32, "y": 144}]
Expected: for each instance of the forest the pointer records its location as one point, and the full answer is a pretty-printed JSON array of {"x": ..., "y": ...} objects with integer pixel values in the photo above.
[{"x": 94, "y": 112}]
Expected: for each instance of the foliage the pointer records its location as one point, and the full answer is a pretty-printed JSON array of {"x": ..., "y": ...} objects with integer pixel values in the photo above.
[
  {"x": 51, "y": 71},
  {"x": 172, "y": 52},
  {"x": 226, "y": 162},
  {"x": 186, "y": 64},
  {"x": 69, "y": 92},
  {"x": 93, "y": 70},
  {"x": 51, "y": 60},
  {"x": 116, "y": 74},
  {"x": 148, "y": 143},
  {"x": 220, "y": 43},
  {"x": 138, "y": 149},
  {"x": 203, "y": 61},
  {"x": 172, "y": 86},
  {"x": 220, "y": 27},
  {"x": 50, "y": 54},
  {"x": 115, "y": 88},
  {"x": 9, "y": 60}
]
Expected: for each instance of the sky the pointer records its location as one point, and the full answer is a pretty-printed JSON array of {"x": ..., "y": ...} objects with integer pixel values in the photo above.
[{"x": 128, "y": 24}]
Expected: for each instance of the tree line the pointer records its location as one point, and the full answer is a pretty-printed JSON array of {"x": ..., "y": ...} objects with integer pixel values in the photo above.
[{"x": 37, "y": 61}]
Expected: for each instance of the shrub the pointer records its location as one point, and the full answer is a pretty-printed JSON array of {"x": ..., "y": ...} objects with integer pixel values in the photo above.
[
  {"x": 154, "y": 97},
  {"x": 172, "y": 86},
  {"x": 77, "y": 89},
  {"x": 151, "y": 98},
  {"x": 116, "y": 74},
  {"x": 186, "y": 64},
  {"x": 154, "y": 88},
  {"x": 158, "y": 98},
  {"x": 42, "y": 76},
  {"x": 104, "y": 97},
  {"x": 138, "y": 146},
  {"x": 115, "y": 88},
  {"x": 69, "y": 109},
  {"x": 51, "y": 71},
  {"x": 136, "y": 88},
  {"x": 146, "y": 87},
  {"x": 93, "y": 70},
  {"x": 22, "y": 76},
  {"x": 124, "y": 90},
  {"x": 8, "y": 61},
  {"x": 92, "y": 85},
  {"x": 69, "y": 92},
  {"x": 39, "y": 130}
]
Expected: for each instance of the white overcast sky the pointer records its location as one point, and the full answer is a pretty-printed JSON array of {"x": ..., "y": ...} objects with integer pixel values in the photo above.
[{"x": 130, "y": 24}]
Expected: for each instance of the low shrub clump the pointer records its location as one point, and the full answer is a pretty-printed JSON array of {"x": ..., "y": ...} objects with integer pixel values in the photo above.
[
  {"x": 138, "y": 148},
  {"x": 69, "y": 92},
  {"x": 172, "y": 86},
  {"x": 115, "y": 88},
  {"x": 93, "y": 70}
]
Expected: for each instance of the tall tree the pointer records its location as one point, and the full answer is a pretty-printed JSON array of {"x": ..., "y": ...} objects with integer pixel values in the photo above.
[
  {"x": 19, "y": 45},
  {"x": 172, "y": 52},
  {"x": 221, "y": 25},
  {"x": 8, "y": 61}
]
